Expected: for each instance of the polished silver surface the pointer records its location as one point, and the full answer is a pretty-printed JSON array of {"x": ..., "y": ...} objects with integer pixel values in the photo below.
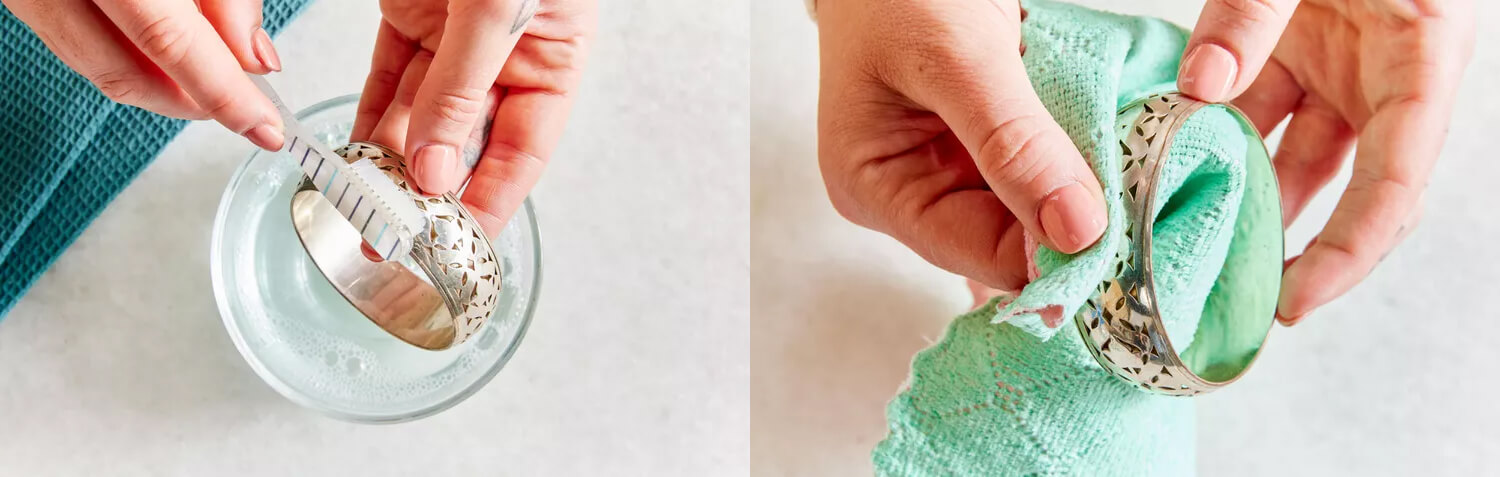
[
  {"x": 437, "y": 309},
  {"x": 1121, "y": 323}
]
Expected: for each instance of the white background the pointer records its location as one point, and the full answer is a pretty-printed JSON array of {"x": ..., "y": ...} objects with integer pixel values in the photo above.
[
  {"x": 1396, "y": 378},
  {"x": 116, "y": 363}
]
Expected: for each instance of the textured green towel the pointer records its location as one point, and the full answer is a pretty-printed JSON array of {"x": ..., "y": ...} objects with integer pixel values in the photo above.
[
  {"x": 69, "y": 150},
  {"x": 1005, "y": 399}
]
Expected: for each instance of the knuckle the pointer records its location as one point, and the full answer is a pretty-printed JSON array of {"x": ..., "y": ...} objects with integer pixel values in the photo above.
[
  {"x": 1394, "y": 182},
  {"x": 384, "y": 79},
  {"x": 1390, "y": 209},
  {"x": 456, "y": 108},
  {"x": 1353, "y": 251},
  {"x": 834, "y": 166},
  {"x": 219, "y": 105},
  {"x": 165, "y": 41},
  {"x": 552, "y": 65},
  {"x": 560, "y": 54},
  {"x": 846, "y": 206},
  {"x": 120, "y": 87},
  {"x": 506, "y": 152},
  {"x": 1009, "y": 152}
]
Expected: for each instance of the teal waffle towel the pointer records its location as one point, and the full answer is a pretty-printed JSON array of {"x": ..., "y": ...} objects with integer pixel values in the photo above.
[
  {"x": 69, "y": 150},
  {"x": 1017, "y": 398}
]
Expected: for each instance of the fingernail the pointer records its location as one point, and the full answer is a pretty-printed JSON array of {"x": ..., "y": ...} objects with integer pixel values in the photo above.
[
  {"x": 435, "y": 168},
  {"x": 1208, "y": 73},
  {"x": 260, "y": 43},
  {"x": 370, "y": 253},
  {"x": 1289, "y": 321},
  {"x": 266, "y": 137},
  {"x": 1072, "y": 218}
]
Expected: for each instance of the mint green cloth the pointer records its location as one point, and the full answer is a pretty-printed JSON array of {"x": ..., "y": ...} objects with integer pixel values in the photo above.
[
  {"x": 1018, "y": 399},
  {"x": 1086, "y": 65}
]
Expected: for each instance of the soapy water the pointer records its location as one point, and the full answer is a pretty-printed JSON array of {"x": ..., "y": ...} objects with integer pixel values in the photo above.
[
  {"x": 296, "y": 328},
  {"x": 326, "y": 344}
]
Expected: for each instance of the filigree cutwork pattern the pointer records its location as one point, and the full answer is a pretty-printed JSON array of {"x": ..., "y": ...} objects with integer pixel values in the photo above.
[
  {"x": 454, "y": 252},
  {"x": 1119, "y": 322}
]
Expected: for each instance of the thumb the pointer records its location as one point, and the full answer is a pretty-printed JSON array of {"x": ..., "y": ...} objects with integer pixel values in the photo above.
[
  {"x": 1024, "y": 156},
  {"x": 1229, "y": 45}
]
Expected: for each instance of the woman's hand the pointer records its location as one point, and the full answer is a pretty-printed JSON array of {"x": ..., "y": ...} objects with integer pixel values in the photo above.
[
  {"x": 929, "y": 131},
  {"x": 177, "y": 58},
  {"x": 444, "y": 72},
  {"x": 1379, "y": 74}
]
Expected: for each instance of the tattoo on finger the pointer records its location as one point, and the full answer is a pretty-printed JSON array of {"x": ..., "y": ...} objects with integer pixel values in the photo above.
[{"x": 478, "y": 139}]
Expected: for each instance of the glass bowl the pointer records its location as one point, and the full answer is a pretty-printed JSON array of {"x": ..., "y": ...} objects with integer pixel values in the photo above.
[{"x": 307, "y": 341}]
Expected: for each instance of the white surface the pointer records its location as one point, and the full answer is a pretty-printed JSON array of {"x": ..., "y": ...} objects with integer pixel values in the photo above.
[
  {"x": 1395, "y": 378},
  {"x": 117, "y": 364}
]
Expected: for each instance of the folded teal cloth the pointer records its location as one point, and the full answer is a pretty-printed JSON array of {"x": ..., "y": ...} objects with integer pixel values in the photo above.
[
  {"x": 69, "y": 150},
  {"x": 1006, "y": 394}
]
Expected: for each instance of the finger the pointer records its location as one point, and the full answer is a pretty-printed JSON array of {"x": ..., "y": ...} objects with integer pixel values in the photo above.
[
  {"x": 1027, "y": 159},
  {"x": 85, "y": 40},
  {"x": 239, "y": 25},
  {"x": 1271, "y": 97},
  {"x": 527, "y": 127},
  {"x": 542, "y": 62},
  {"x": 179, "y": 40},
  {"x": 1232, "y": 40},
  {"x": 392, "y": 128},
  {"x": 449, "y": 103},
  {"x": 1311, "y": 152},
  {"x": 943, "y": 209},
  {"x": 479, "y": 137},
  {"x": 1407, "y": 226},
  {"x": 1395, "y": 154},
  {"x": 971, "y": 233},
  {"x": 388, "y": 64}
]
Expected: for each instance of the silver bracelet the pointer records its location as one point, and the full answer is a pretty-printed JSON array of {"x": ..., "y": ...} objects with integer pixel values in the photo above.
[
  {"x": 460, "y": 281},
  {"x": 1121, "y": 323}
]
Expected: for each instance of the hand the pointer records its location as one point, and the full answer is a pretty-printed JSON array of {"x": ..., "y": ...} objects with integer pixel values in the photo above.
[
  {"x": 445, "y": 73},
  {"x": 1379, "y": 74},
  {"x": 176, "y": 58},
  {"x": 929, "y": 131}
]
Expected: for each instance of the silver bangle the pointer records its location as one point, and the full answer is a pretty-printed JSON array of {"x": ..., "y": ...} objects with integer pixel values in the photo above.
[
  {"x": 441, "y": 307},
  {"x": 1121, "y": 323}
]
